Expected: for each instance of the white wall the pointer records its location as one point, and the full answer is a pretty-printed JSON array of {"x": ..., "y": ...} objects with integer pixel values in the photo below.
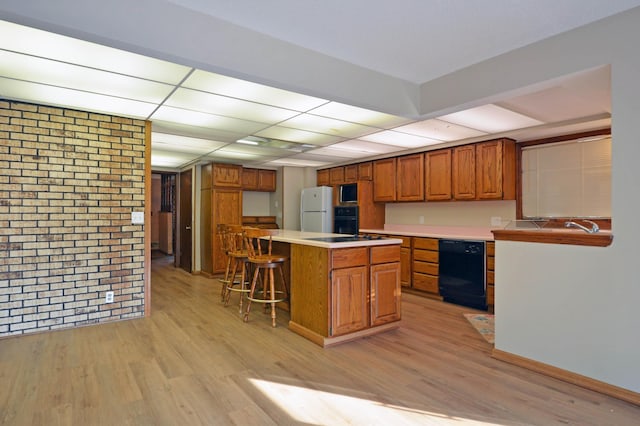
[
  {"x": 572, "y": 307},
  {"x": 256, "y": 203},
  {"x": 456, "y": 213}
]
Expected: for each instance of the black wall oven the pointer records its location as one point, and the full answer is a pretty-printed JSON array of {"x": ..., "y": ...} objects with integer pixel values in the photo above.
[{"x": 345, "y": 220}]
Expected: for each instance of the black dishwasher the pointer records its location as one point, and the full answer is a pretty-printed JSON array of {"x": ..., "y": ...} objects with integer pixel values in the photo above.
[{"x": 461, "y": 276}]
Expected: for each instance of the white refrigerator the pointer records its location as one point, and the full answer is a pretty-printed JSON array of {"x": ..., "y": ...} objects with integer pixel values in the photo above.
[{"x": 316, "y": 209}]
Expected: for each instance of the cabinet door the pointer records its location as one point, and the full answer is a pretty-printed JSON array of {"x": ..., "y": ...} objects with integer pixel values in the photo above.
[
  {"x": 410, "y": 178},
  {"x": 226, "y": 208},
  {"x": 384, "y": 180},
  {"x": 385, "y": 293},
  {"x": 266, "y": 180},
  {"x": 464, "y": 172},
  {"x": 336, "y": 175},
  {"x": 405, "y": 267},
  {"x": 365, "y": 171},
  {"x": 489, "y": 170},
  {"x": 322, "y": 177},
  {"x": 351, "y": 173},
  {"x": 250, "y": 179},
  {"x": 438, "y": 175},
  {"x": 227, "y": 175},
  {"x": 349, "y": 294}
]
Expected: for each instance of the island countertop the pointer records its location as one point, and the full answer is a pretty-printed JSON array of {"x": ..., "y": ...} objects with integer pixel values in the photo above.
[{"x": 312, "y": 239}]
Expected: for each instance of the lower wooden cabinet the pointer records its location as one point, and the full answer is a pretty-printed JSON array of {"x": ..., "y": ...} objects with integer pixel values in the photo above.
[
  {"x": 385, "y": 293},
  {"x": 425, "y": 265},
  {"x": 349, "y": 294}
]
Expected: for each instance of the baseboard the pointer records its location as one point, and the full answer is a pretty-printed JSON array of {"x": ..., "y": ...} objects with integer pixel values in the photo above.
[{"x": 568, "y": 376}]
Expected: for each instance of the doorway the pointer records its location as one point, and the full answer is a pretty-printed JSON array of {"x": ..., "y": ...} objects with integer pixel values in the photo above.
[{"x": 185, "y": 230}]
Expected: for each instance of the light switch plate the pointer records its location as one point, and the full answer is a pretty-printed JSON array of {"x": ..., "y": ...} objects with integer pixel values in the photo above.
[{"x": 137, "y": 218}]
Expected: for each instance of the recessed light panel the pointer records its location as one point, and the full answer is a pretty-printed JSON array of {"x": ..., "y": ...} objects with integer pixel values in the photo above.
[
  {"x": 233, "y": 87},
  {"x": 297, "y": 135},
  {"x": 329, "y": 151},
  {"x": 54, "y": 73},
  {"x": 35, "y": 42},
  {"x": 177, "y": 143},
  {"x": 439, "y": 130},
  {"x": 68, "y": 98},
  {"x": 292, "y": 162},
  {"x": 390, "y": 137},
  {"x": 229, "y": 107},
  {"x": 330, "y": 126},
  {"x": 201, "y": 119},
  {"x": 364, "y": 146},
  {"x": 160, "y": 158},
  {"x": 359, "y": 115},
  {"x": 490, "y": 119}
]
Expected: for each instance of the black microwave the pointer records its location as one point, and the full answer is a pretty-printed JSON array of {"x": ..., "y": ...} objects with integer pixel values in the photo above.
[{"x": 349, "y": 193}]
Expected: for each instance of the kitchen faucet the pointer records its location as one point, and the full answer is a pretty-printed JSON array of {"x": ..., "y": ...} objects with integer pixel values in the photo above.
[{"x": 593, "y": 230}]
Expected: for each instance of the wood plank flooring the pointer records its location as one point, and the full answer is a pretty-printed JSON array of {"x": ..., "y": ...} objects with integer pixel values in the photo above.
[{"x": 195, "y": 362}]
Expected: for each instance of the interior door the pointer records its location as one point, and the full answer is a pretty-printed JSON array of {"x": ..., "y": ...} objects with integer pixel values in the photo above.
[{"x": 185, "y": 232}]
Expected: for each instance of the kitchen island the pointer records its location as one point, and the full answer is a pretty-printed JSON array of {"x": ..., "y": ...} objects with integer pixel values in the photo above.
[{"x": 341, "y": 287}]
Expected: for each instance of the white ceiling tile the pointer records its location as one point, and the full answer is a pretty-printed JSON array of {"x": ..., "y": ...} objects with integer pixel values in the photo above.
[
  {"x": 439, "y": 130},
  {"x": 56, "y": 96},
  {"x": 229, "y": 107},
  {"x": 178, "y": 143},
  {"x": 196, "y": 132},
  {"x": 364, "y": 146},
  {"x": 340, "y": 154},
  {"x": 54, "y": 73},
  {"x": 490, "y": 119},
  {"x": 160, "y": 158},
  {"x": 233, "y": 87},
  {"x": 35, "y": 42},
  {"x": 391, "y": 137},
  {"x": 201, "y": 119},
  {"x": 359, "y": 115},
  {"x": 329, "y": 126},
  {"x": 297, "y": 135},
  {"x": 292, "y": 162}
]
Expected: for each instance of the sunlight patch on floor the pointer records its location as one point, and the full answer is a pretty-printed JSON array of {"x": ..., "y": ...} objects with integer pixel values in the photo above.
[{"x": 314, "y": 407}]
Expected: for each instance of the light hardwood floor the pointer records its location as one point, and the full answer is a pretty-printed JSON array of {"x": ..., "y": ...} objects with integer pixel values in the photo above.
[{"x": 195, "y": 362}]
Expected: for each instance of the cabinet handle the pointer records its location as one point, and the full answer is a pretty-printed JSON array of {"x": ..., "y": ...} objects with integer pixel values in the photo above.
[{"x": 188, "y": 228}]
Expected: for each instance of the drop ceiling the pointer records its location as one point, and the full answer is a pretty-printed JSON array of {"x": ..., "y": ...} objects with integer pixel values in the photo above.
[{"x": 201, "y": 116}]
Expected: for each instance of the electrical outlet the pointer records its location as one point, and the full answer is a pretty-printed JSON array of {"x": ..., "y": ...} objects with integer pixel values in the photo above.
[
  {"x": 108, "y": 298},
  {"x": 421, "y": 220}
]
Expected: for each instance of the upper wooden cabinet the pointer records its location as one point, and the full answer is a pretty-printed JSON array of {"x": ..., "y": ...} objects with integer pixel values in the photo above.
[
  {"x": 351, "y": 173},
  {"x": 365, "y": 171},
  {"x": 322, "y": 177},
  {"x": 438, "y": 175},
  {"x": 227, "y": 175},
  {"x": 258, "y": 180},
  {"x": 496, "y": 170},
  {"x": 384, "y": 180},
  {"x": 410, "y": 178},
  {"x": 336, "y": 175},
  {"x": 464, "y": 172}
]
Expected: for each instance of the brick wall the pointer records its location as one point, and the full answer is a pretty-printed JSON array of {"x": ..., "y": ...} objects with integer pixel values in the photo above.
[{"x": 69, "y": 181}]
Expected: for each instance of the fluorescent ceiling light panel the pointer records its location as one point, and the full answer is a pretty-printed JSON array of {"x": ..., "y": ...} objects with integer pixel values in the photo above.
[
  {"x": 390, "y": 137},
  {"x": 364, "y": 146},
  {"x": 54, "y": 73},
  {"x": 359, "y": 115},
  {"x": 201, "y": 119},
  {"x": 229, "y": 107},
  {"x": 68, "y": 98},
  {"x": 329, "y": 151},
  {"x": 160, "y": 158},
  {"x": 491, "y": 119},
  {"x": 35, "y": 42},
  {"x": 439, "y": 130},
  {"x": 258, "y": 150},
  {"x": 289, "y": 161},
  {"x": 233, "y": 87},
  {"x": 330, "y": 126},
  {"x": 297, "y": 135},
  {"x": 234, "y": 154},
  {"x": 169, "y": 142}
]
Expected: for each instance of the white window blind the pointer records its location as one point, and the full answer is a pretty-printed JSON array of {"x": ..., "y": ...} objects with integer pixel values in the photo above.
[{"x": 567, "y": 179}]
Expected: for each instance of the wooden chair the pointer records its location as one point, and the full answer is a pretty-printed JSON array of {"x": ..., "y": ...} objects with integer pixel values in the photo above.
[
  {"x": 221, "y": 233},
  {"x": 262, "y": 259},
  {"x": 238, "y": 257}
]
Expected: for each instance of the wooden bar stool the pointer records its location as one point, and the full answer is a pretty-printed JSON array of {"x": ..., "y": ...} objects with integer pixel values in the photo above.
[
  {"x": 221, "y": 233},
  {"x": 266, "y": 261},
  {"x": 238, "y": 256}
]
